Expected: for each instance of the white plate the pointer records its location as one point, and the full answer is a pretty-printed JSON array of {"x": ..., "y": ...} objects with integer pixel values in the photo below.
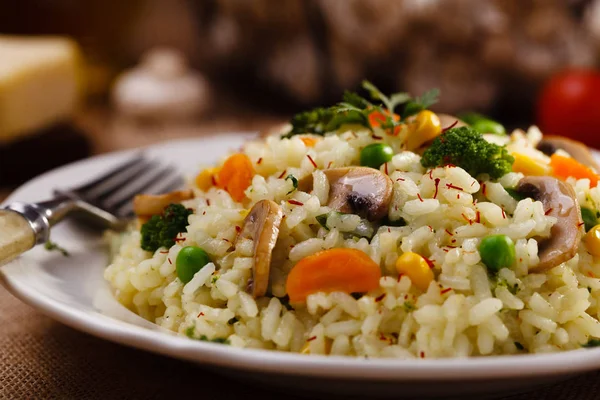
[{"x": 72, "y": 290}]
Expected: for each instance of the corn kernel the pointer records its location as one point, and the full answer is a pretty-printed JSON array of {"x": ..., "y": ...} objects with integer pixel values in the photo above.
[
  {"x": 305, "y": 348},
  {"x": 416, "y": 268},
  {"x": 207, "y": 178},
  {"x": 592, "y": 241},
  {"x": 328, "y": 344},
  {"x": 426, "y": 126},
  {"x": 529, "y": 166}
]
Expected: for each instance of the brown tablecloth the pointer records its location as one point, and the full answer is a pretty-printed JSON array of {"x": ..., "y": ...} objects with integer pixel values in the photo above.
[{"x": 42, "y": 359}]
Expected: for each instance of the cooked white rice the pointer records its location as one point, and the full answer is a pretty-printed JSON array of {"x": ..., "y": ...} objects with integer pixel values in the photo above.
[{"x": 464, "y": 312}]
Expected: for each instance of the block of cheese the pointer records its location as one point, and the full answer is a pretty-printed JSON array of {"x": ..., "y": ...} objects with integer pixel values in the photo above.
[{"x": 40, "y": 83}]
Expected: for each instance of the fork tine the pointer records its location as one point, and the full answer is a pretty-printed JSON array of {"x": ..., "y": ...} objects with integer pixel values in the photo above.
[
  {"x": 126, "y": 193},
  {"x": 167, "y": 186},
  {"x": 125, "y": 209},
  {"x": 107, "y": 187},
  {"x": 110, "y": 174}
]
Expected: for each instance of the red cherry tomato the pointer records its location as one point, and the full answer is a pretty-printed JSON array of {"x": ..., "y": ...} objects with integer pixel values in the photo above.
[{"x": 569, "y": 105}]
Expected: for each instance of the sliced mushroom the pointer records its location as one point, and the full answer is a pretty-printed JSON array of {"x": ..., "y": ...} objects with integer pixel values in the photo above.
[
  {"x": 560, "y": 201},
  {"x": 147, "y": 205},
  {"x": 356, "y": 190},
  {"x": 262, "y": 226},
  {"x": 579, "y": 151}
]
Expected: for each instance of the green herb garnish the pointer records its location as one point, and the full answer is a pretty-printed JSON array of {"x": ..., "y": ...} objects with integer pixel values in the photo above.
[
  {"x": 190, "y": 332},
  {"x": 420, "y": 103},
  {"x": 322, "y": 220},
  {"x": 591, "y": 343},
  {"x": 294, "y": 182},
  {"x": 409, "y": 306},
  {"x": 388, "y": 222},
  {"x": 363, "y": 229},
  {"x": 590, "y": 218},
  {"x": 514, "y": 289},
  {"x": 514, "y": 194},
  {"x": 519, "y": 346},
  {"x": 355, "y": 109},
  {"x": 51, "y": 246},
  {"x": 389, "y": 102},
  {"x": 215, "y": 340},
  {"x": 285, "y": 301}
]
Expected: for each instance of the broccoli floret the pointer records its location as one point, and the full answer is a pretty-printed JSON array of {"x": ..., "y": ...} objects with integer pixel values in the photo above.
[
  {"x": 161, "y": 230},
  {"x": 322, "y": 120},
  {"x": 466, "y": 148},
  {"x": 313, "y": 121}
]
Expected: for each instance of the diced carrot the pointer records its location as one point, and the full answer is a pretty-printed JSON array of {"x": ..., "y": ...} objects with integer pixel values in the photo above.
[
  {"x": 376, "y": 119},
  {"x": 334, "y": 270},
  {"x": 309, "y": 141},
  {"x": 564, "y": 167},
  {"x": 236, "y": 175},
  {"x": 396, "y": 130},
  {"x": 207, "y": 178}
]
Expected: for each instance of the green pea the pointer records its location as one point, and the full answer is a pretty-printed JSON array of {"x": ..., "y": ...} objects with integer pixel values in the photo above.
[
  {"x": 376, "y": 154},
  {"x": 488, "y": 126},
  {"x": 590, "y": 218},
  {"x": 483, "y": 124},
  {"x": 497, "y": 252},
  {"x": 190, "y": 260}
]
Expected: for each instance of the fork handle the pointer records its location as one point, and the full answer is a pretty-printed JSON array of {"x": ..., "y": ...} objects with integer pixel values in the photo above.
[
  {"x": 16, "y": 235},
  {"x": 23, "y": 225}
]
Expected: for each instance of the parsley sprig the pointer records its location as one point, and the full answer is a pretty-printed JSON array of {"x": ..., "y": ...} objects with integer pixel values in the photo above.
[
  {"x": 591, "y": 343},
  {"x": 190, "y": 332},
  {"x": 389, "y": 102},
  {"x": 52, "y": 246},
  {"x": 414, "y": 106},
  {"x": 355, "y": 109},
  {"x": 294, "y": 182}
]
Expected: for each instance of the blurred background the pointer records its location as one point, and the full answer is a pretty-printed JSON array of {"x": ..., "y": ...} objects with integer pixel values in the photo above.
[{"x": 153, "y": 70}]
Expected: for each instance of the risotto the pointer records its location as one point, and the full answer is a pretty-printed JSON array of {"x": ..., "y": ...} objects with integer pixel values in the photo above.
[{"x": 361, "y": 230}]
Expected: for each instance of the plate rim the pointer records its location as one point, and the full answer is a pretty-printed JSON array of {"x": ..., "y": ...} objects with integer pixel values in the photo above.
[{"x": 278, "y": 362}]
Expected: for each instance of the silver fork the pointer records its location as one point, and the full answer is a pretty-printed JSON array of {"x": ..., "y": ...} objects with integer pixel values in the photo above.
[{"x": 104, "y": 202}]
